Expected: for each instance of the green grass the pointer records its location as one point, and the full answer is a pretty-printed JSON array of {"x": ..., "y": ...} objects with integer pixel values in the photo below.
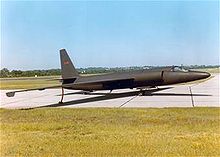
[
  {"x": 110, "y": 132},
  {"x": 26, "y": 83}
]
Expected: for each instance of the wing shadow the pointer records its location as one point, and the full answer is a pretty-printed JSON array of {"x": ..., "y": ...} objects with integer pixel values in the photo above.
[{"x": 109, "y": 96}]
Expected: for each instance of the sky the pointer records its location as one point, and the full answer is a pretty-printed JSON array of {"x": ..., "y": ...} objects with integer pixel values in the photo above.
[{"x": 109, "y": 33}]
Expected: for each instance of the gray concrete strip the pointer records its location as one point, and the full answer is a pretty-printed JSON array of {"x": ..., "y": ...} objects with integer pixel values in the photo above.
[{"x": 203, "y": 94}]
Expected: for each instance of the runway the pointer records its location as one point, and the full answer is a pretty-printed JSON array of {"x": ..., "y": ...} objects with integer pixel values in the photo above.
[{"x": 200, "y": 94}]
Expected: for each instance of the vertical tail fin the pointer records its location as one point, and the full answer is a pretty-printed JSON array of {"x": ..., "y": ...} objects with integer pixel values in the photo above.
[{"x": 68, "y": 70}]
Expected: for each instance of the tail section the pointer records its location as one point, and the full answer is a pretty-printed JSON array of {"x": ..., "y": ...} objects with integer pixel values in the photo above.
[{"x": 68, "y": 70}]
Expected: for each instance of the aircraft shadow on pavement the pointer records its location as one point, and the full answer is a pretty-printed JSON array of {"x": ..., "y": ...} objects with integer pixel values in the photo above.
[{"x": 109, "y": 96}]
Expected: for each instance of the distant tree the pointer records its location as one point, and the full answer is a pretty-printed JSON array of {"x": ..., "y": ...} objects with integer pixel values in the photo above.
[
  {"x": 4, "y": 72},
  {"x": 16, "y": 73}
]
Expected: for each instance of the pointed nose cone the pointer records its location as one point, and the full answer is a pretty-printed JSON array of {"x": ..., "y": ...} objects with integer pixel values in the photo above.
[
  {"x": 201, "y": 75},
  {"x": 204, "y": 75}
]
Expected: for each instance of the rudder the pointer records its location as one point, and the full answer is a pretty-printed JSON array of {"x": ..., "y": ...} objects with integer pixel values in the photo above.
[{"x": 68, "y": 70}]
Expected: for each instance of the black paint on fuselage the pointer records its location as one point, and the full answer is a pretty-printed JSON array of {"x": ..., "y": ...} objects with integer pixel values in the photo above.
[{"x": 134, "y": 79}]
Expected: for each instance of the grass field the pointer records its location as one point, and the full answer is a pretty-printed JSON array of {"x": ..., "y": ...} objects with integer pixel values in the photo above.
[
  {"x": 26, "y": 83},
  {"x": 110, "y": 132},
  {"x": 30, "y": 82}
]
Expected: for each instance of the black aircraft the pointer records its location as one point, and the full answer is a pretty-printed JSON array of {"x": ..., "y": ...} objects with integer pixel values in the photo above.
[{"x": 141, "y": 79}]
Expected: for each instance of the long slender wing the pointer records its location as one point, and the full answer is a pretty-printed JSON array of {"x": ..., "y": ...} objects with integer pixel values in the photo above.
[
  {"x": 103, "y": 81},
  {"x": 109, "y": 84},
  {"x": 11, "y": 94}
]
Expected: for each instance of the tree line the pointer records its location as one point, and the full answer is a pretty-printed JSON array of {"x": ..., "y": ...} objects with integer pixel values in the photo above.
[{"x": 29, "y": 73}]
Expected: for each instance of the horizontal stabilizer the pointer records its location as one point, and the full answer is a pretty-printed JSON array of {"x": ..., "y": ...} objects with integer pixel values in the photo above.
[
  {"x": 103, "y": 81},
  {"x": 11, "y": 94}
]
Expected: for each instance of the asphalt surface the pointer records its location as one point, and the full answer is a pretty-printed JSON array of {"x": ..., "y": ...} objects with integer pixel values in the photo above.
[{"x": 199, "y": 94}]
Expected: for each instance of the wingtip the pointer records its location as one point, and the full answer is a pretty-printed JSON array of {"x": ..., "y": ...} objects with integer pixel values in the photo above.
[{"x": 10, "y": 94}]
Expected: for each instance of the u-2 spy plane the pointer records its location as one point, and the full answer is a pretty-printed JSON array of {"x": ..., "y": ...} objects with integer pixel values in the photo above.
[{"x": 147, "y": 78}]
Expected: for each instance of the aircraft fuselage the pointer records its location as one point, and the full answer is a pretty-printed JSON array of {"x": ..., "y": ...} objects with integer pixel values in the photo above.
[{"x": 140, "y": 78}]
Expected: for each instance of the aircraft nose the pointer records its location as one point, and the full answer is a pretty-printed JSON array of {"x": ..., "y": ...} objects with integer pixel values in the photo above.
[
  {"x": 202, "y": 75},
  {"x": 205, "y": 75}
]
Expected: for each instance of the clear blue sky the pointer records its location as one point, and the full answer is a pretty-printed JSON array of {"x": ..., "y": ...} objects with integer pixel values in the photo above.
[{"x": 109, "y": 34}]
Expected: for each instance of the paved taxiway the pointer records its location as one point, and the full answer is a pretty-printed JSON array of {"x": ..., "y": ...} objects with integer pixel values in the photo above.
[{"x": 201, "y": 94}]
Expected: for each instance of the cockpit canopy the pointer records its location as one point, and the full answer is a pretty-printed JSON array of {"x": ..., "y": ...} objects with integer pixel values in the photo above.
[{"x": 178, "y": 69}]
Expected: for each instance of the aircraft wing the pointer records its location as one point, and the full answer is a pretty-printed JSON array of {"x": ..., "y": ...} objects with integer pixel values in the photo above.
[
  {"x": 108, "y": 83},
  {"x": 11, "y": 94},
  {"x": 104, "y": 81}
]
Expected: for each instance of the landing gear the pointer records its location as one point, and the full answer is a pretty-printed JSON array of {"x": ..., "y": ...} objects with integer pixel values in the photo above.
[
  {"x": 62, "y": 94},
  {"x": 143, "y": 92},
  {"x": 148, "y": 91}
]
